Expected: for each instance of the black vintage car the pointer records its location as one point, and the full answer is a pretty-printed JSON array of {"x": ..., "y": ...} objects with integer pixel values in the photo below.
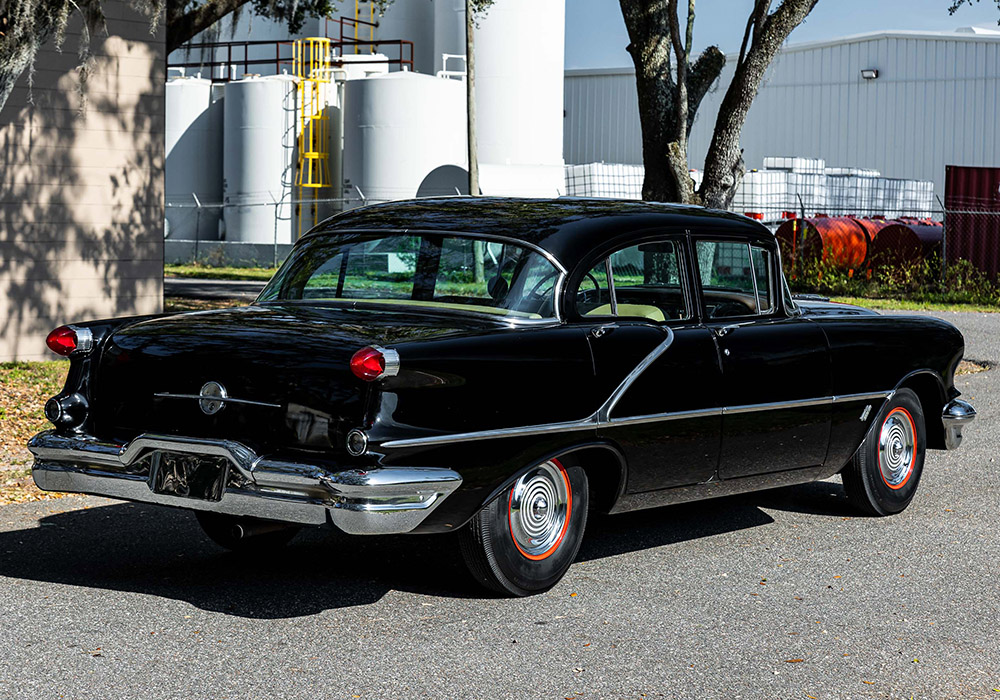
[{"x": 499, "y": 367}]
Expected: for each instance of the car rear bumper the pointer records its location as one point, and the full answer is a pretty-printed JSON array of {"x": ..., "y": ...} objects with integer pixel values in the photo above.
[
  {"x": 956, "y": 415},
  {"x": 378, "y": 501}
]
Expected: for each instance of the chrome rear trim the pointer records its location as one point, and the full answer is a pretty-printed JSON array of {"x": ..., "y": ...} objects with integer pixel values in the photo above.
[
  {"x": 383, "y": 500},
  {"x": 222, "y": 399}
]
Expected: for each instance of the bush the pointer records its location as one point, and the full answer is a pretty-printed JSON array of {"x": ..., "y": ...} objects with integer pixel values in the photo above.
[{"x": 919, "y": 281}]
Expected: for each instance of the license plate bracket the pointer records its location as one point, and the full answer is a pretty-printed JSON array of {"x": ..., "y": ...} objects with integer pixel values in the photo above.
[{"x": 189, "y": 476}]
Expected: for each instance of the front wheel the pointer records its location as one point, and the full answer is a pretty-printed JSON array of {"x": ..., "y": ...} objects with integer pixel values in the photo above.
[
  {"x": 882, "y": 478},
  {"x": 526, "y": 538}
]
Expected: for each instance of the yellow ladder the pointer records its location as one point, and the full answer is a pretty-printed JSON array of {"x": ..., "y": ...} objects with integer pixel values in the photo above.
[
  {"x": 311, "y": 64},
  {"x": 359, "y": 9}
]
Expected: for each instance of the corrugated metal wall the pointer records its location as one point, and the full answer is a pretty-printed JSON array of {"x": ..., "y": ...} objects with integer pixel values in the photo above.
[
  {"x": 934, "y": 103},
  {"x": 602, "y": 117}
]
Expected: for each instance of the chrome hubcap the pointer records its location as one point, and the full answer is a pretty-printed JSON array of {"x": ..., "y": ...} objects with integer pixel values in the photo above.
[
  {"x": 538, "y": 509},
  {"x": 896, "y": 444}
]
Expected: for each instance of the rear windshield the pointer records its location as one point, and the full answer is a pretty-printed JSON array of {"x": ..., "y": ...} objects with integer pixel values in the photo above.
[{"x": 426, "y": 270}]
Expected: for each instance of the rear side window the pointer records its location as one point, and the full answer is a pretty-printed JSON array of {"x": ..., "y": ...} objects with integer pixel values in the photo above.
[
  {"x": 643, "y": 281},
  {"x": 736, "y": 278}
]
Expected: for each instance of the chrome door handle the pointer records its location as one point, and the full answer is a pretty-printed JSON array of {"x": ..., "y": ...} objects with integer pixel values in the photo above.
[{"x": 598, "y": 331}]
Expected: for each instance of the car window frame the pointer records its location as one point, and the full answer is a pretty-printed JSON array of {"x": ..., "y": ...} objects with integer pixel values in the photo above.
[
  {"x": 775, "y": 310},
  {"x": 679, "y": 237}
]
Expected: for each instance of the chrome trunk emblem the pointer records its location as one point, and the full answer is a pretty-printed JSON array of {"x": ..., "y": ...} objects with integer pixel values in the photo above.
[{"x": 213, "y": 396}]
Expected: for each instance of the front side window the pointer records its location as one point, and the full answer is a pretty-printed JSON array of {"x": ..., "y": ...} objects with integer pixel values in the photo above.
[
  {"x": 430, "y": 270},
  {"x": 643, "y": 280},
  {"x": 735, "y": 278}
]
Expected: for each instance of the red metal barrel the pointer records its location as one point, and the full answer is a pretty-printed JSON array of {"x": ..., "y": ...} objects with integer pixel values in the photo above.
[
  {"x": 839, "y": 241},
  {"x": 972, "y": 221},
  {"x": 905, "y": 241}
]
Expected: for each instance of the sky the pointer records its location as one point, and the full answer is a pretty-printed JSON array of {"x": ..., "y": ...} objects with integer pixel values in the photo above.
[{"x": 596, "y": 36}]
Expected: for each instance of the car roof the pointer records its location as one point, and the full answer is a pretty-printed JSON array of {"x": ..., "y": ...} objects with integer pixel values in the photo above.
[{"x": 568, "y": 228}]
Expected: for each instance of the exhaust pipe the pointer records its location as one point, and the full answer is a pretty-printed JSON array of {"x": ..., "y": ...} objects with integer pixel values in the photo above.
[{"x": 251, "y": 528}]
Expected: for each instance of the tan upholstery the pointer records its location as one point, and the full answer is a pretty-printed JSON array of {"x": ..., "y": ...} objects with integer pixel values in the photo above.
[{"x": 640, "y": 310}]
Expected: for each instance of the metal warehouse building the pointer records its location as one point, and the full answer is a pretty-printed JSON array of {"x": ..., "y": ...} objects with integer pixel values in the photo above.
[{"x": 903, "y": 103}]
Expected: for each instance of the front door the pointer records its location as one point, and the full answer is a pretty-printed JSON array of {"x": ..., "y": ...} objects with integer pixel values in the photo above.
[{"x": 775, "y": 368}]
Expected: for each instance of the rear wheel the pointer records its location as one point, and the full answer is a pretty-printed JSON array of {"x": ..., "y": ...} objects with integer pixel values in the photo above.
[
  {"x": 526, "y": 538},
  {"x": 240, "y": 534},
  {"x": 882, "y": 478}
]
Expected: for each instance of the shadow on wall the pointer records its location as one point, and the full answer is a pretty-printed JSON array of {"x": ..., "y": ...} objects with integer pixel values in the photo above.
[{"x": 81, "y": 195}]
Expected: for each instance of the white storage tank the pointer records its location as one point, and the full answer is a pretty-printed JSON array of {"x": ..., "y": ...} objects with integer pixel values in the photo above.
[
  {"x": 259, "y": 159},
  {"x": 194, "y": 159},
  {"x": 519, "y": 91},
  {"x": 412, "y": 20},
  {"x": 398, "y": 129}
]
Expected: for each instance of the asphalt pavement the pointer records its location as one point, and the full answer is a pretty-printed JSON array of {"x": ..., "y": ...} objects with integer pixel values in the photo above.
[{"x": 782, "y": 594}]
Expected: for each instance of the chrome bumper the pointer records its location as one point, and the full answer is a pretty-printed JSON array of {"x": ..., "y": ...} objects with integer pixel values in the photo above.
[
  {"x": 955, "y": 416},
  {"x": 379, "y": 501}
]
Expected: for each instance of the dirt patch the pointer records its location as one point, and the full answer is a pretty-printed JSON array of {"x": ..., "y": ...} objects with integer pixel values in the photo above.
[
  {"x": 24, "y": 389},
  {"x": 971, "y": 367}
]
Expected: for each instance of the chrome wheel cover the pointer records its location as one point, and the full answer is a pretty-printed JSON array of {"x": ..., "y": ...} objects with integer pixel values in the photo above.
[
  {"x": 896, "y": 448},
  {"x": 538, "y": 510}
]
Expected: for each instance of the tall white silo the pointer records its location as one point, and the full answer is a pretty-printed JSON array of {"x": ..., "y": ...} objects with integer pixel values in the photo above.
[
  {"x": 519, "y": 91},
  {"x": 194, "y": 159},
  {"x": 259, "y": 159},
  {"x": 412, "y": 20},
  {"x": 398, "y": 129}
]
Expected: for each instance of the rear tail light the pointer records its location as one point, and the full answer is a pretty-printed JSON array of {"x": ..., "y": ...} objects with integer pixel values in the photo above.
[
  {"x": 373, "y": 363},
  {"x": 69, "y": 340}
]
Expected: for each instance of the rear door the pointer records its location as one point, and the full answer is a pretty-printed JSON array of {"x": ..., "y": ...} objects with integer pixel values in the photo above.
[
  {"x": 775, "y": 368},
  {"x": 641, "y": 305}
]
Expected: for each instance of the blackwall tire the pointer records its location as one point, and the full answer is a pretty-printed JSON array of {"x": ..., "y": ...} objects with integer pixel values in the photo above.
[
  {"x": 525, "y": 540},
  {"x": 220, "y": 528},
  {"x": 882, "y": 478}
]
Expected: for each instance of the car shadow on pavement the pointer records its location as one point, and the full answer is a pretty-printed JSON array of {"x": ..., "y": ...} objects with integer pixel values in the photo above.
[{"x": 157, "y": 551}]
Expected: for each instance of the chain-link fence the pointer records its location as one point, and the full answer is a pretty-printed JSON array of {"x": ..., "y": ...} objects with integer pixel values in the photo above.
[
  {"x": 244, "y": 234},
  {"x": 854, "y": 220}
]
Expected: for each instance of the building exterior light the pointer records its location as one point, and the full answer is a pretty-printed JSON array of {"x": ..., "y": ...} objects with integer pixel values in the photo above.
[{"x": 869, "y": 73}]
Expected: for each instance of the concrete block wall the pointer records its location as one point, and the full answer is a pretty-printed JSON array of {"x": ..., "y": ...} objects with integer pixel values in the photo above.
[{"x": 81, "y": 191}]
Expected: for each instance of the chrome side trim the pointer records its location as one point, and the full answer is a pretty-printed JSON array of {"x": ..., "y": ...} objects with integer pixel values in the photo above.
[
  {"x": 954, "y": 417},
  {"x": 587, "y": 423},
  {"x": 384, "y": 500},
  {"x": 778, "y": 405},
  {"x": 604, "y": 412},
  {"x": 663, "y": 417},
  {"x": 222, "y": 399},
  {"x": 601, "y": 418},
  {"x": 591, "y": 422},
  {"x": 865, "y": 397}
]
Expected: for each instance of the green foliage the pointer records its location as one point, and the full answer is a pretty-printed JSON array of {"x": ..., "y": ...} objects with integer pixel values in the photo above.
[
  {"x": 955, "y": 4},
  {"x": 915, "y": 281},
  {"x": 202, "y": 271},
  {"x": 25, "y": 26}
]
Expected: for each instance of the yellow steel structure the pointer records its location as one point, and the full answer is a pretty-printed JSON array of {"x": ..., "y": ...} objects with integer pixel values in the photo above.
[
  {"x": 359, "y": 9},
  {"x": 311, "y": 62}
]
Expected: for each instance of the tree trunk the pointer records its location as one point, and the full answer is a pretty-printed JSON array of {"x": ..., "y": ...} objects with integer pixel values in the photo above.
[
  {"x": 665, "y": 122},
  {"x": 724, "y": 165},
  {"x": 478, "y": 248}
]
